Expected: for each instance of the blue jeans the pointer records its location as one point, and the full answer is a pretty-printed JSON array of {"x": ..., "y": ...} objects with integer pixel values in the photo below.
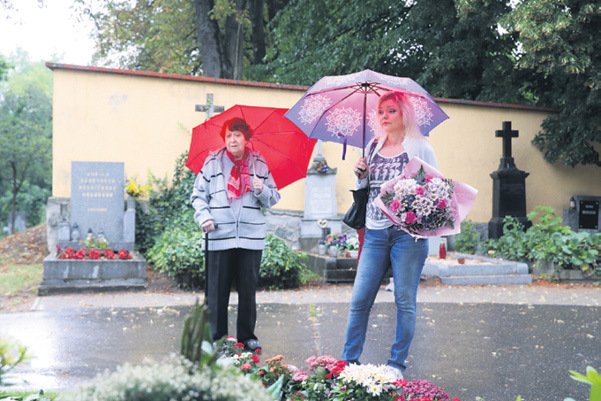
[{"x": 406, "y": 256}]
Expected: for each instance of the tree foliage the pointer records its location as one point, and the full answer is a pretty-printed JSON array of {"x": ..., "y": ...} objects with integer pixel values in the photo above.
[
  {"x": 560, "y": 40},
  {"x": 150, "y": 35},
  {"x": 453, "y": 48},
  {"x": 216, "y": 38},
  {"x": 25, "y": 140},
  {"x": 544, "y": 52}
]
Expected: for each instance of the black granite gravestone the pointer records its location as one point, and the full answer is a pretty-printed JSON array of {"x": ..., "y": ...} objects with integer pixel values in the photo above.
[{"x": 509, "y": 187}]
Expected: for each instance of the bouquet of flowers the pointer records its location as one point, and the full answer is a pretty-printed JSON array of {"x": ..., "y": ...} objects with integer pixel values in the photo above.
[
  {"x": 424, "y": 203},
  {"x": 336, "y": 239}
]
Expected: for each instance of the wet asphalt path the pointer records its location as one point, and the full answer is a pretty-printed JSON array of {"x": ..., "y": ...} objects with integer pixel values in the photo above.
[{"x": 489, "y": 350}]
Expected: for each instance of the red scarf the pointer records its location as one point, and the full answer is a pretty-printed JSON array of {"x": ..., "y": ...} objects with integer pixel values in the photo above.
[{"x": 239, "y": 182}]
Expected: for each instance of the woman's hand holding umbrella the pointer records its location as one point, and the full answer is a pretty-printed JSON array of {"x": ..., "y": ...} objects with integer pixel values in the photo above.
[
  {"x": 361, "y": 168},
  {"x": 258, "y": 185}
]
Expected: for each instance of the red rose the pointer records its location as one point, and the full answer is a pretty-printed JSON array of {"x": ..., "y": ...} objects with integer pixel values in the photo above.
[
  {"x": 255, "y": 359},
  {"x": 109, "y": 254},
  {"x": 239, "y": 345}
]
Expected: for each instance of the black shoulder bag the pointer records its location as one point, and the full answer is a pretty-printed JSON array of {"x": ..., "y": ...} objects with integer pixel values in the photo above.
[{"x": 355, "y": 216}]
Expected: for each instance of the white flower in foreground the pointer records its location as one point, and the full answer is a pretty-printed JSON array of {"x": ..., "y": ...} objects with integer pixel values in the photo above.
[{"x": 374, "y": 378}]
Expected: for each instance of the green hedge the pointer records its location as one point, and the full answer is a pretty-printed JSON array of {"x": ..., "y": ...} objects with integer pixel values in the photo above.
[{"x": 178, "y": 252}]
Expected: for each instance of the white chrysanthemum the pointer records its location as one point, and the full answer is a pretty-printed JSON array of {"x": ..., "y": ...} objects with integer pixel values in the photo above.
[
  {"x": 423, "y": 206},
  {"x": 439, "y": 189},
  {"x": 312, "y": 108},
  {"x": 343, "y": 122},
  {"x": 175, "y": 379},
  {"x": 405, "y": 187},
  {"x": 373, "y": 378}
]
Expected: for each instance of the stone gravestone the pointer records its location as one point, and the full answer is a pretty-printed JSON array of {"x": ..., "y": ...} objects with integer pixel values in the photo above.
[
  {"x": 320, "y": 202},
  {"x": 584, "y": 213},
  {"x": 509, "y": 187},
  {"x": 97, "y": 206},
  {"x": 97, "y": 199}
]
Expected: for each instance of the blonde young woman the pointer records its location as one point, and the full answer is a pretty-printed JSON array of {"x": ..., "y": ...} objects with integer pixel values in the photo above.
[{"x": 384, "y": 245}]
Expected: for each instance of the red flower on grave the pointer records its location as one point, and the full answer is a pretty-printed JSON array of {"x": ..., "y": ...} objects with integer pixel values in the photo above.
[
  {"x": 80, "y": 254},
  {"x": 109, "y": 254},
  {"x": 123, "y": 254},
  {"x": 94, "y": 253}
]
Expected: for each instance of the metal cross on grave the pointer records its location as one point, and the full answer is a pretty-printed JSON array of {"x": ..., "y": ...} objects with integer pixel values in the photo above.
[
  {"x": 507, "y": 133},
  {"x": 209, "y": 108}
]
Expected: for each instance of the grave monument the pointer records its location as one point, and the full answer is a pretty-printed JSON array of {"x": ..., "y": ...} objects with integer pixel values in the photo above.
[
  {"x": 320, "y": 202},
  {"x": 509, "y": 187},
  {"x": 96, "y": 217}
]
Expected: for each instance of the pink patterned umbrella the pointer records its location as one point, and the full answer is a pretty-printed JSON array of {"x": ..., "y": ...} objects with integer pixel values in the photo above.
[{"x": 343, "y": 108}]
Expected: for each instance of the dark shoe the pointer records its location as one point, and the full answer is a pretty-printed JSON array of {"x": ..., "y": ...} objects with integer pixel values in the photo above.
[{"x": 252, "y": 345}]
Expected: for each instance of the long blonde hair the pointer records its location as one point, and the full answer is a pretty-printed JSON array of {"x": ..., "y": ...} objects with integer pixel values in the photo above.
[{"x": 409, "y": 120}]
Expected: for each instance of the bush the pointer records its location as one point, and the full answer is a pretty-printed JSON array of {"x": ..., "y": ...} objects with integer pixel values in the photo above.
[
  {"x": 468, "y": 239},
  {"x": 512, "y": 244},
  {"x": 173, "y": 379},
  {"x": 11, "y": 355},
  {"x": 166, "y": 203},
  {"x": 548, "y": 241},
  {"x": 281, "y": 267},
  {"x": 178, "y": 253}
]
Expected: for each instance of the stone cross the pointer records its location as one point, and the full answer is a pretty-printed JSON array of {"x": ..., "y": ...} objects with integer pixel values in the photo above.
[
  {"x": 507, "y": 133},
  {"x": 209, "y": 108}
]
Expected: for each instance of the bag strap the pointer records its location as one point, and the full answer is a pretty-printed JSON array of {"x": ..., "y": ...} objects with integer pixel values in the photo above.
[{"x": 370, "y": 152}]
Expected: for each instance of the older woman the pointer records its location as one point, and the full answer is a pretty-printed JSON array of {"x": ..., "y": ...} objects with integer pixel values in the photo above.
[
  {"x": 229, "y": 192},
  {"x": 384, "y": 245}
]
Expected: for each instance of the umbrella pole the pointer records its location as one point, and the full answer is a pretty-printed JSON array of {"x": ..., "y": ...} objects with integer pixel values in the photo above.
[{"x": 364, "y": 111}]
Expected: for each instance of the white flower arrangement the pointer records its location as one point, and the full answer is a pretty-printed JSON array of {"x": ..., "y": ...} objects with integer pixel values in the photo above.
[{"x": 375, "y": 379}]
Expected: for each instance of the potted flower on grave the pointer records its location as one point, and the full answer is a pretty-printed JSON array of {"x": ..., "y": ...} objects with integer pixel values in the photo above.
[
  {"x": 134, "y": 191},
  {"x": 336, "y": 244},
  {"x": 352, "y": 246}
]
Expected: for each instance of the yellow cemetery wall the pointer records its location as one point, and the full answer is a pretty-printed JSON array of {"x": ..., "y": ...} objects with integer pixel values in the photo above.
[{"x": 145, "y": 120}]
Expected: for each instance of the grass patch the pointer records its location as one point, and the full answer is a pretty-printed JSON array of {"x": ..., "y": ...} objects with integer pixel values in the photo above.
[
  {"x": 16, "y": 279},
  {"x": 21, "y": 395}
]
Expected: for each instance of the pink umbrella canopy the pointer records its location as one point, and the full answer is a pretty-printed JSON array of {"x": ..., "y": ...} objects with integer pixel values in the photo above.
[
  {"x": 286, "y": 149},
  {"x": 343, "y": 108}
]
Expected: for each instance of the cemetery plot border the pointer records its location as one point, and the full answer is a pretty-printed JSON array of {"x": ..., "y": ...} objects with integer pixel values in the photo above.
[{"x": 70, "y": 275}]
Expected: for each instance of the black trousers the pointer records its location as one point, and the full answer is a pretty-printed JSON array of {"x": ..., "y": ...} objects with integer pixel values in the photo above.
[{"x": 239, "y": 266}]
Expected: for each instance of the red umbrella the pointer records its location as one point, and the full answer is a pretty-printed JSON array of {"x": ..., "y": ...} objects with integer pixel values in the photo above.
[{"x": 284, "y": 146}]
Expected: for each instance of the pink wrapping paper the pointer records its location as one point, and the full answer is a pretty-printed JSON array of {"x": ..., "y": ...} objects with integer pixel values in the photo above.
[{"x": 461, "y": 203}]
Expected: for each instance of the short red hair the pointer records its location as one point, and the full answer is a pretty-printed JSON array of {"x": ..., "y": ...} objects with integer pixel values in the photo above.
[{"x": 236, "y": 124}]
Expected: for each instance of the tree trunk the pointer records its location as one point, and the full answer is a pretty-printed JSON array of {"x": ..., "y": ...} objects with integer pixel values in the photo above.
[
  {"x": 273, "y": 6},
  {"x": 207, "y": 33},
  {"x": 234, "y": 43},
  {"x": 258, "y": 30}
]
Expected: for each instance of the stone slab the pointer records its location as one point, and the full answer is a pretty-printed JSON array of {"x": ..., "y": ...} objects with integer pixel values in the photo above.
[
  {"x": 62, "y": 275},
  {"x": 504, "y": 279}
]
